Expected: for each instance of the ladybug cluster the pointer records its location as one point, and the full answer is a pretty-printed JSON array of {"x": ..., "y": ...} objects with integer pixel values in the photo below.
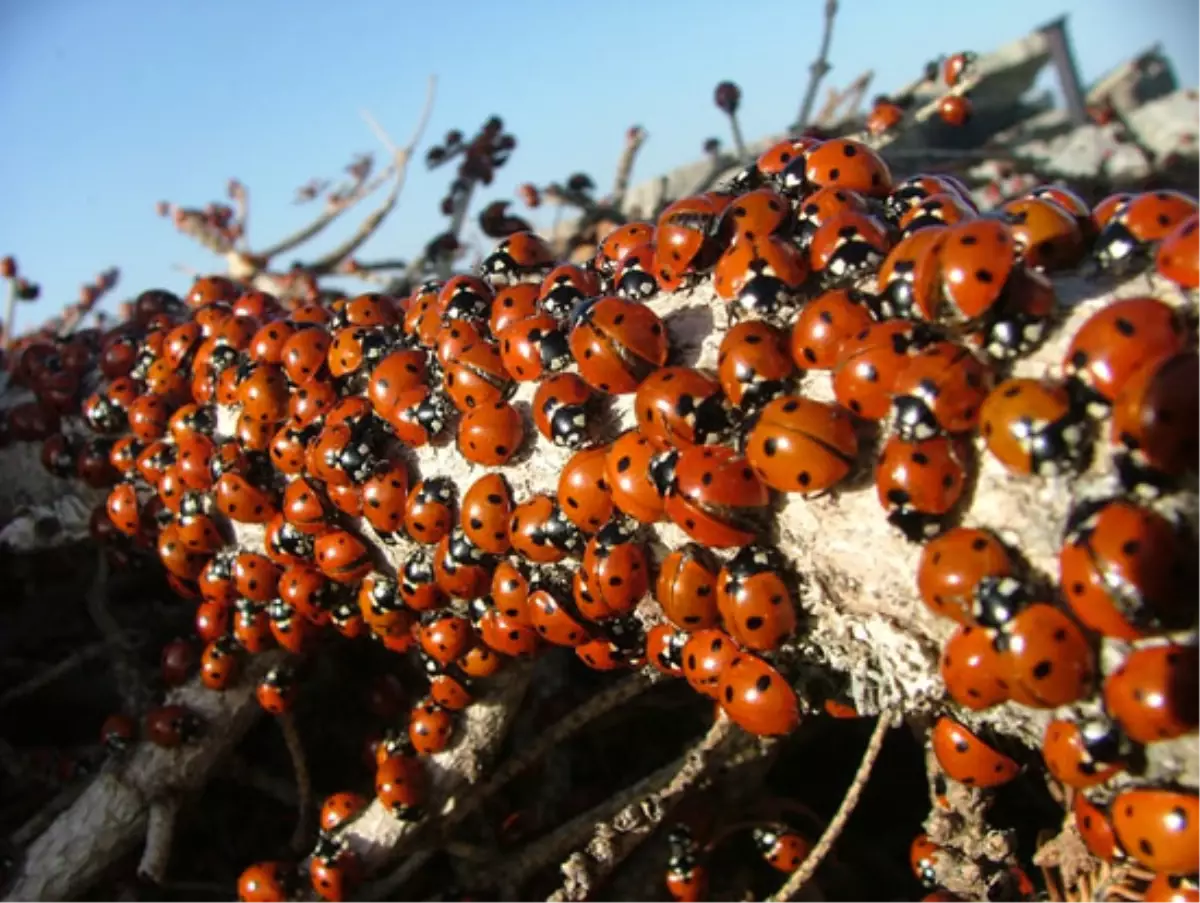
[{"x": 354, "y": 468}]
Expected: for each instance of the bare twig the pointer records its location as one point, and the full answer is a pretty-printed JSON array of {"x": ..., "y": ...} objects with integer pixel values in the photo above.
[
  {"x": 635, "y": 137},
  {"x": 925, "y": 113},
  {"x": 129, "y": 681},
  {"x": 54, "y": 672},
  {"x": 801, "y": 876},
  {"x": 295, "y": 747},
  {"x": 160, "y": 832},
  {"x": 10, "y": 315},
  {"x": 819, "y": 68}
]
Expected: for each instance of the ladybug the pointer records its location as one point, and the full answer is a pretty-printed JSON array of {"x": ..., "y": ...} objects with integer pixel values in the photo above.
[
  {"x": 706, "y": 656},
  {"x": 553, "y": 622},
  {"x": 753, "y": 364},
  {"x": 761, "y": 278},
  {"x": 617, "y": 344},
  {"x": 616, "y": 570},
  {"x": 1178, "y": 256},
  {"x": 664, "y": 649},
  {"x": 486, "y": 509},
  {"x": 333, "y": 870},
  {"x": 532, "y": 528},
  {"x": 379, "y": 603},
  {"x": 276, "y": 692},
  {"x": 782, "y": 849},
  {"x": 677, "y": 407},
  {"x": 1080, "y": 755},
  {"x": 418, "y": 417},
  {"x": 800, "y": 445},
  {"x": 1154, "y": 423},
  {"x": 1160, "y": 828},
  {"x": 428, "y": 512},
  {"x": 612, "y": 251},
  {"x": 479, "y": 662},
  {"x": 1153, "y": 695},
  {"x": 219, "y": 663},
  {"x": 255, "y": 577},
  {"x": 490, "y": 434},
  {"x": 972, "y": 670},
  {"x": 847, "y": 246},
  {"x": 687, "y": 236},
  {"x": 118, "y": 734},
  {"x": 1047, "y": 656},
  {"x": 467, "y": 296},
  {"x": 342, "y": 557},
  {"x": 263, "y": 394},
  {"x": 1034, "y": 427},
  {"x": 955, "y": 565},
  {"x": 757, "y": 698},
  {"x": 124, "y": 510},
  {"x": 514, "y": 303},
  {"x": 776, "y": 159},
  {"x": 686, "y": 588},
  {"x": 418, "y": 583},
  {"x": 384, "y": 500},
  {"x": 955, "y": 66},
  {"x": 430, "y": 728},
  {"x": 456, "y": 337},
  {"x": 1173, "y": 888},
  {"x": 946, "y": 209},
  {"x": 533, "y": 347},
  {"x": 510, "y": 591},
  {"x": 627, "y": 470},
  {"x": 309, "y": 404},
  {"x": 290, "y": 629},
  {"x": 583, "y": 494},
  {"x": 521, "y": 257},
  {"x": 265, "y": 882},
  {"x": 869, "y": 365},
  {"x": 398, "y": 372},
  {"x": 918, "y": 483},
  {"x": 634, "y": 279},
  {"x": 1128, "y": 239},
  {"x": 954, "y": 110},
  {"x": 967, "y": 759},
  {"x": 976, "y": 257},
  {"x": 171, "y": 726},
  {"x": 940, "y": 389},
  {"x": 559, "y": 409},
  {"x": 460, "y": 569},
  {"x": 687, "y": 876},
  {"x": 176, "y": 557},
  {"x": 1122, "y": 567},
  {"x": 444, "y": 637},
  {"x": 477, "y": 376},
  {"x": 125, "y": 451},
  {"x": 178, "y": 660},
  {"x": 824, "y": 325},
  {"x": 922, "y": 856},
  {"x": 240, "y": 500},
  {"x": 567, "y": 284},
  {"x": 754, "y": 600},
  {"x": 846, "y": 163},
  {"x": 339, "y": 809},
  {"x": 450, "y": 691},
  {"x": 400, "y": 786},
  {"x": 819, "y": 207},
  {"x": 714, "y": 496},
  {"x": 1048, "y": 237},
  {"x": 304, "y": 507},
  {"x": 251, "y": 626},
  {"x": 761, "y": 212},
  {"x": 506, "y": 635},
  {"x": 1118, "y": 340},
  {"x": 1095, "y": 829}
]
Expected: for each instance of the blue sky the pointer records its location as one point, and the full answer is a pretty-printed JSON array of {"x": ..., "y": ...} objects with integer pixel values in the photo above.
[{"x": 111, "y": 106}]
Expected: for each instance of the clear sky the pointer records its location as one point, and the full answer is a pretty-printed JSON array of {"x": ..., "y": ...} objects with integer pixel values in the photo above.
[{"x": 108, "y": 107}]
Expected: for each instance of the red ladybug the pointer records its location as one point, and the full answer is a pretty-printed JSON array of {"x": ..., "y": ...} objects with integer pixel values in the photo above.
[
  {"x": 583, "y": 493},
  {"x": 846, "y": 163},
  {"x": 761, "y": 277},
  {"x": 823, "y": 326},
  {"x": 678, "y": 407},
  {"x": 616, "y": 569},
  {"x": 430, "y": 728},
  {"x": 418, "y": 584},
  {"x": 219, "y": 663},
  {"x": 869, "y": 365},
  {"x": 486, "y": 509},
  {"x": 763, "y": 211},
  {"x": 444, "y": 637},
  {"x": 1048, "y": 658},
  {"x": 782, "y": 849},
  {"x": 753, "y": 364},
  {"x": 1116, "y": 342},
  {"x": 1153, "y": 695},
  {"x": 1173, "y": 889},
  {"x": 514, "y": 303},
  {"x": 919, "y": 482},
  {"x": 629, "y": 480},
  {"x": 333, "y": 870},
  {"x": 972, "y": 670},
  {"x": 706, "y": 655},
  {"x": 537, "y": 528},
  {"x": 955, "y": 565},
  {"x": 533, "y": 347},
  {"x": 757, "y": 698},
  {"x": 1122, "y": 568},
  {"x": 400, "y": 786},
  {"x": 1095, "y": 829},
  {"x": 342, "y": 557},
  {"x": 1033, "y": 427},
  {"x": 847, "y": 246},
  {"x": 976, "y": 257},
  {"x": 686, "y": 588},
  {"x": 1136, "y": 226},
  {"x": 800, "y": 445},
  {"x": 687, "y": 876},
  {"x": 384, "y": 500},
  {"x": 1154, "y": 423},
  {"x": 171, "y": 726},
  {"x": 521, "y": 257},
  {"x": 396, "y": 373},
  {"x": 240, "y": 500},
  {"x": 1178, "y": 257},
  {"x": 967, "y": 759},
  {"x": 664, "y": 649},
  {"x": 507, "y": 635},
  {"x": 265, "y": 882},
  {"x": 1160, "y": 828},
  {"x": 940, "y": 389},
  {"x": 559, "y": 409},
  {"x": 552, "y": 620},
  {"x": 715, "y": 497},
  {"x": 477, "y": 376},
  {"x": 118, "y": 734},
  {"x": 922, "y": 856},
  {"x": 276, "y": 692},
  {"x": 491, "y": 434},
  {"x": 617, "y": 344},
  {"x": 461, "y": 570},
  {"x": 754, "y": 600},
  {"x": 1080, "y": 755},
  {"x": 428, "y": 516}
]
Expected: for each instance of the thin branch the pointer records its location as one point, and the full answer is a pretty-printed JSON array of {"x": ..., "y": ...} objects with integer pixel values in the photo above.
[
  {"x": 160, "y": 832},
  {"x": 635, "y": 137},
  {"x": 54, "y": 672},
  {"x": 295, "y": 747},
  {"x": 925, "y": 113},
  {"x": 819, "y": 68},
  {"x": 327, "y": 263},
  {"x": 129, "y": 680},
  {"x": 10, "y": 316},
  {"x": 801, "y": 876}
]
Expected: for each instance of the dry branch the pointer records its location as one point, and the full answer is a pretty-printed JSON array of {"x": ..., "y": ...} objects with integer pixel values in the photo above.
[{"x": 819, "y": 68}]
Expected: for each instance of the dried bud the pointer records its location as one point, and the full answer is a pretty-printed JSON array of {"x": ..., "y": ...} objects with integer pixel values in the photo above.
[
  {"x": 28, "y": 291},
  {"x": 435, "y": 156},
  {"x": 635, "y": 134},
  {"x": 8, "y": 267},
  {"x": 447, "y": 205},
  {"x": 162, "y": 208},
  {"x": 712, "y": 146},
  {"x": 453, "y": 138},
  {"x": 727, "y": 97},
  {"x": 235, "y": 189},
  {"x": 88, "y": 295},
  {"x": 494, "y": 126},
  {"x": 529, "y": 195},
  {"x": 349, "y": 265},
  {"x": 581, "y": 183}
]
